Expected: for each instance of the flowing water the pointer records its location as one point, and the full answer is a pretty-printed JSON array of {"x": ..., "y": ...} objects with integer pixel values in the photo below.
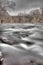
[{"x": 23, "y": 41}]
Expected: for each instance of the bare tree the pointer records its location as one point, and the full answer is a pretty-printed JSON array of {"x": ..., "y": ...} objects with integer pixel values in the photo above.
[{"x": 7, "y": 4}]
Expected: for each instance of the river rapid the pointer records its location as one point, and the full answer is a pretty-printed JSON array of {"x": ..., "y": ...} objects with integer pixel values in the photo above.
[{"x": 21, "y": 42}]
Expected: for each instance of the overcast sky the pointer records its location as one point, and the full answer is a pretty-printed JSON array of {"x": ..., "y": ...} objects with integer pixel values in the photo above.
[
  {"x": 26, "y": 4},
  {"x": 22, "y": 5}
]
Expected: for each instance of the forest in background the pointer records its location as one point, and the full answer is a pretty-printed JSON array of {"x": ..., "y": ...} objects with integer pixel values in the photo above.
[{"x": 34, "y": 17}]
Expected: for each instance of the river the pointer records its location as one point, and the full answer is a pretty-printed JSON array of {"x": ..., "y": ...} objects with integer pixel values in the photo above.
[{"x": 25, "y": 40}]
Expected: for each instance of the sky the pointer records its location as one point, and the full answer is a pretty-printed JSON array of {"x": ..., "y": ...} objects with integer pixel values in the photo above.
[{"x": 24, "y": 5}]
